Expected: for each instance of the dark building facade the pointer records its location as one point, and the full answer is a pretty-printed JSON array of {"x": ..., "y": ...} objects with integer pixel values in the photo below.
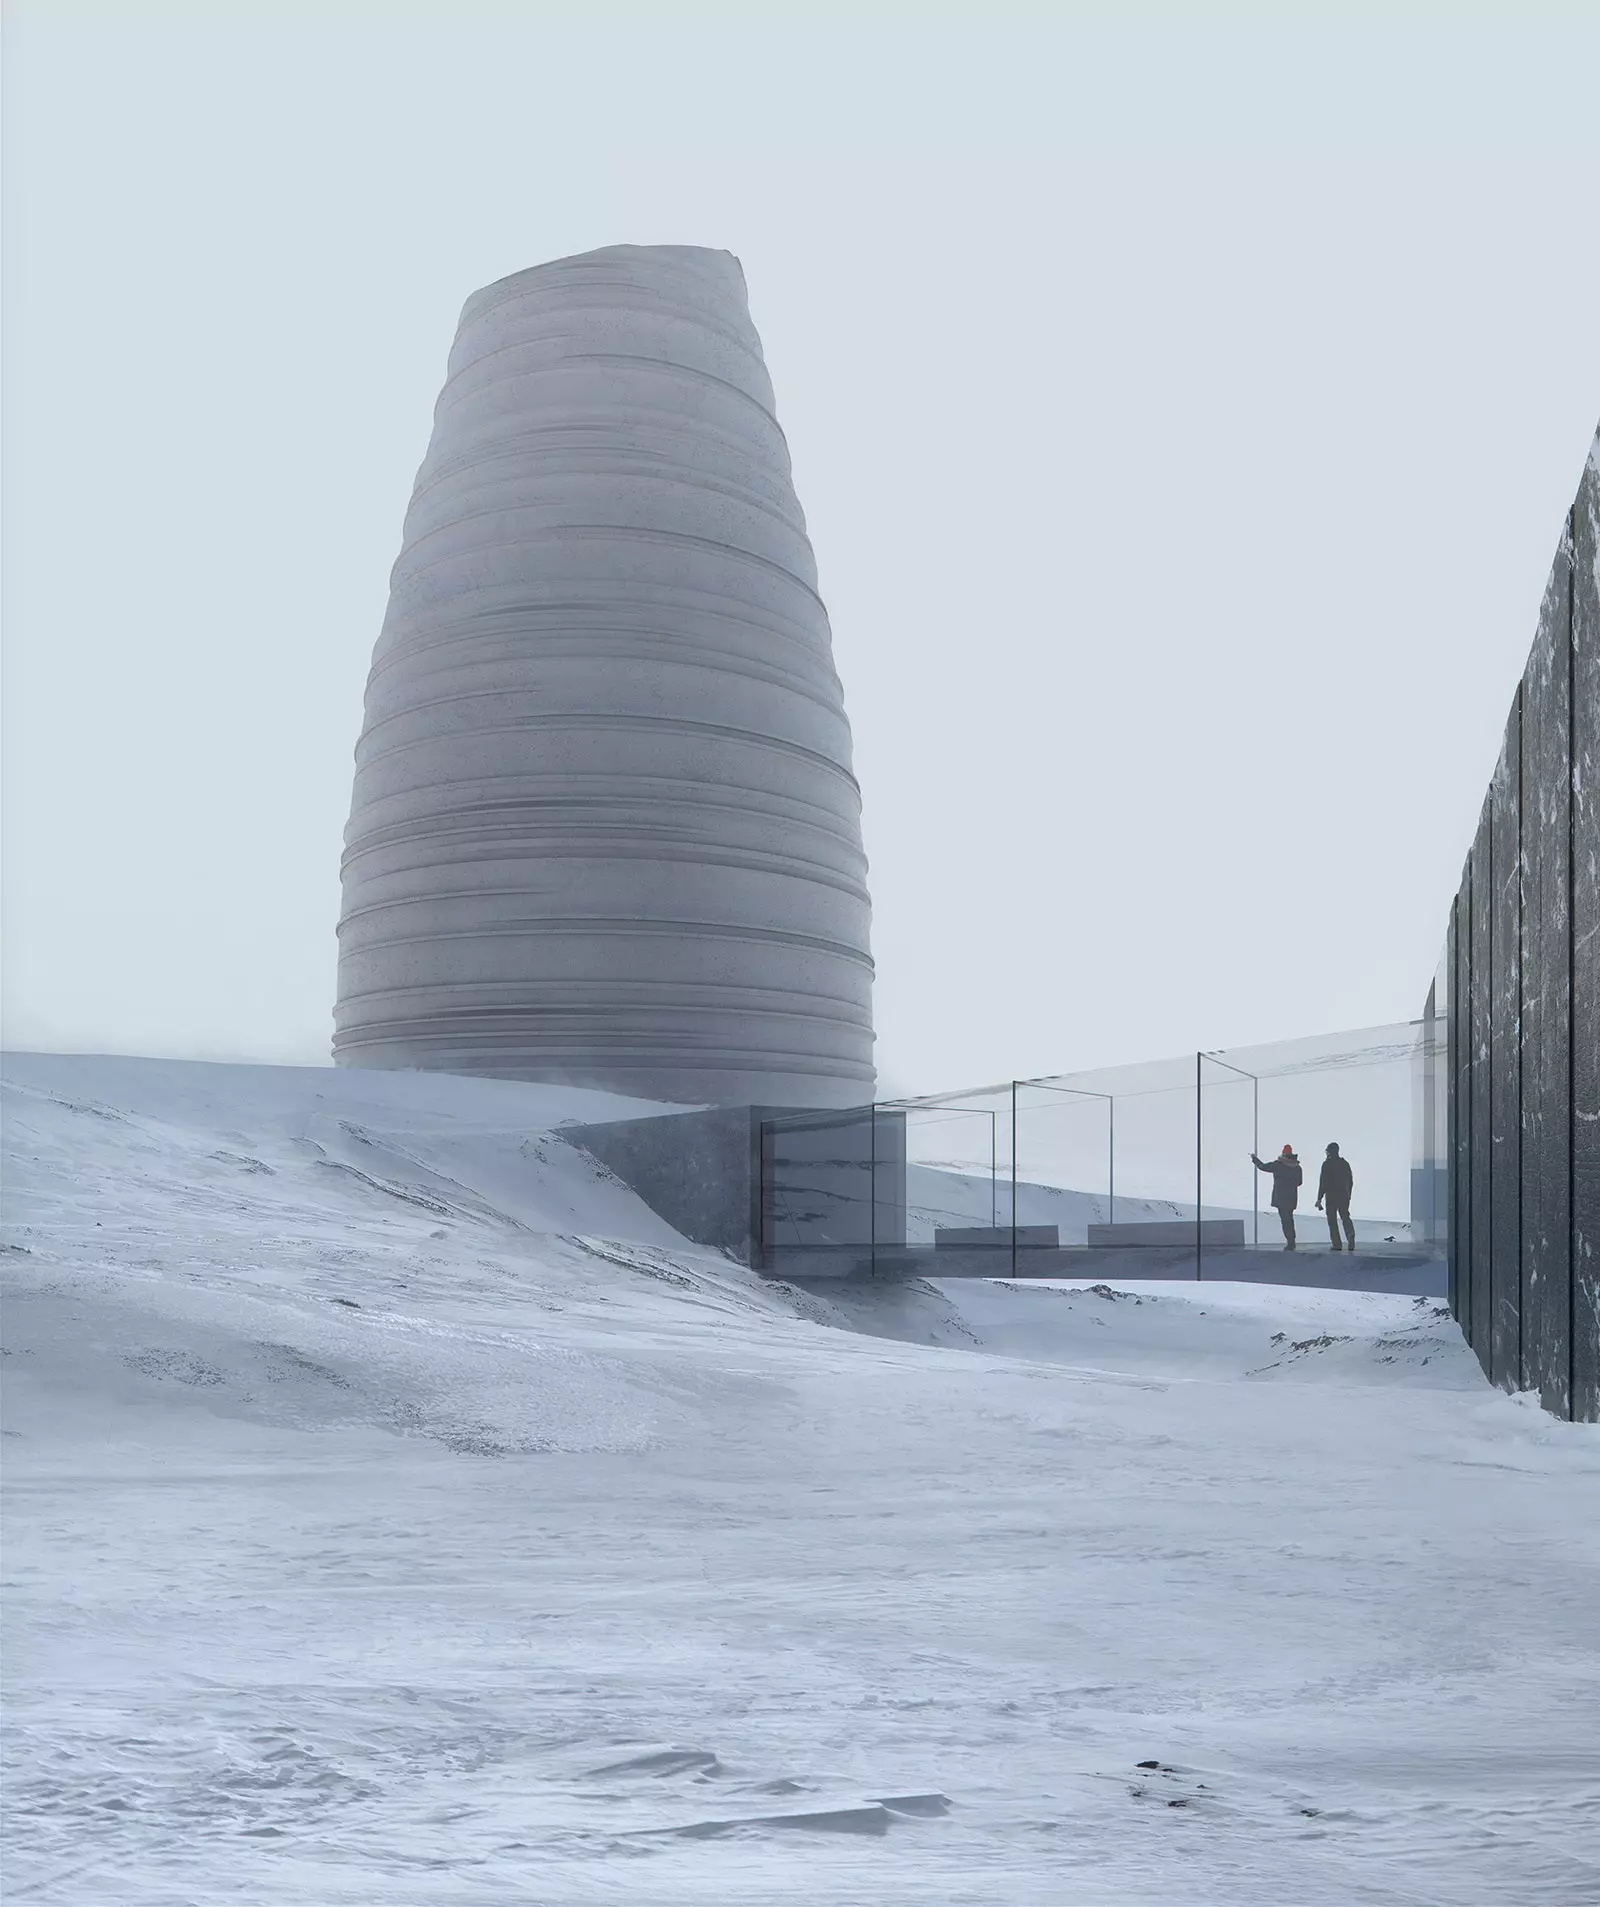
[{"x": 1522, "y": 1039}]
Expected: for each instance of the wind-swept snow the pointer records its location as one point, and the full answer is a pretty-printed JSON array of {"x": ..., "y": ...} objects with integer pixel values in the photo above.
[{"x": 397, "y": 1511}]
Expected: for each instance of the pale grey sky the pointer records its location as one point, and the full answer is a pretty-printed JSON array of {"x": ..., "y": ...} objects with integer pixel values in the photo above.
[{"x": 1184, "y": 400}]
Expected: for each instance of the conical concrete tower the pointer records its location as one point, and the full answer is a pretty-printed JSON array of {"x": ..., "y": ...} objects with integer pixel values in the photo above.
[{"x": 604, "y": 827}]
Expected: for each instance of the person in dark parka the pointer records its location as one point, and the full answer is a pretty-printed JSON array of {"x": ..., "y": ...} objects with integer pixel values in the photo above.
[
  {"x": 1286, "y": 1178},
  {"x": 1335, "y": 1185}
]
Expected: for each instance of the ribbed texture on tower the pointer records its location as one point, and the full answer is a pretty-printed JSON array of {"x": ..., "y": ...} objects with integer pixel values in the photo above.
[{"x": 604, "y": 828}]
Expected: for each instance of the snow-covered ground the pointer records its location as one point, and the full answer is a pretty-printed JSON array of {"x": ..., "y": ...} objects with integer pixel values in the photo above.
[{"x": 397, "y": 1512}]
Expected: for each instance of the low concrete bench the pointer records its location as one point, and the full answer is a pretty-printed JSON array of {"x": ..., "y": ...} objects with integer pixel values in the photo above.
[
  {"x": 1219, "y": 1232},
  {"x": 1028, "y": 1237}
]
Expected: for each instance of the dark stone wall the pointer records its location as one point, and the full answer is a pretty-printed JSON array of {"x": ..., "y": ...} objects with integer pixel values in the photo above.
[
  {"x": 1586, "y": 946},
  {"x": 1459, "y": 1049},
  {"x": 1546, "y": 999},
  {"x": 1505, "y": 1059},
  {"x": 1480, "y": 1128},
  {"x": 1523, "y": 1052}
]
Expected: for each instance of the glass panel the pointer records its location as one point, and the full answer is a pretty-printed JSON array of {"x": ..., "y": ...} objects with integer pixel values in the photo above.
[
  {"x": 958, "y": 1169},
  {"x": 1065, "y": 1161},
  {"x": 1352, "y": 1092},
  {"x": 1104, "y": 1173},
  {"x": 1430, "y": 1114},
  {"x": 1108, "y": 1159},
  {"x": 817, "y": 1205},
  {"x": 1231, "y": 1183}
]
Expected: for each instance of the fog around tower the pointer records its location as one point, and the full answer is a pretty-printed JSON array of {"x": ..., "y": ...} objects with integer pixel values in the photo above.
[{"x": 1180, "y": 416}]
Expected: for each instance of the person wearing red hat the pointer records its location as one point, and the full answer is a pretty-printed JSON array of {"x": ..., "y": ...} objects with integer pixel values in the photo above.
[{"x": 1286, "y": 1178}]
